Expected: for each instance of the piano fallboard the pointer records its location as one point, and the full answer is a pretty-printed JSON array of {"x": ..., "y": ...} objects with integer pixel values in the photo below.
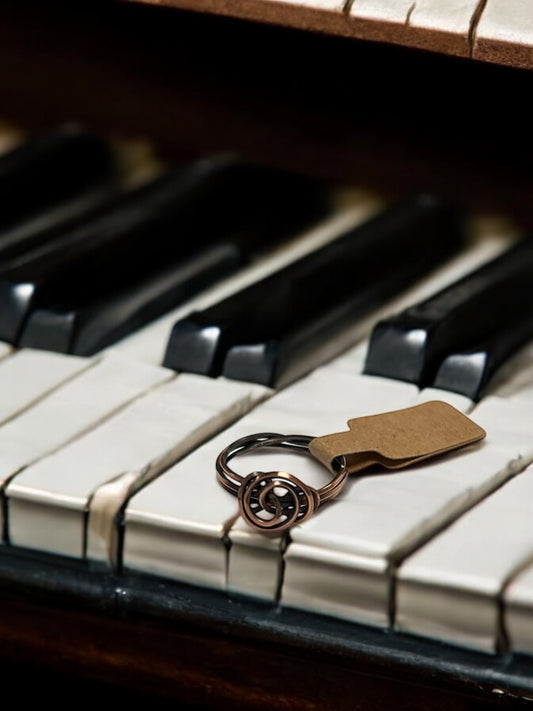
[{"x": 497, "y": 31}]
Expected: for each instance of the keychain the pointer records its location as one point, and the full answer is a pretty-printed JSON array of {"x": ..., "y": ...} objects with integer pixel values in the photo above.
[{"x": 275, "y": 501}]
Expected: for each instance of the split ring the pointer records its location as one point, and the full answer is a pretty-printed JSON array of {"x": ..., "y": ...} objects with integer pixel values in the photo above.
[{"x": 275, "y": 501}]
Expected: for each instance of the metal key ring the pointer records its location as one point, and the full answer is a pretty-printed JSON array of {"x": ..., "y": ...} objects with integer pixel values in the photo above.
[{"x": 274, "y": 501}]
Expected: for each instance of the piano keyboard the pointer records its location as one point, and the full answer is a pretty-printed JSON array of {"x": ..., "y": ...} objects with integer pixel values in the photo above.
[
  {"x": 107, "y": 461},
  {"x": 499, "y": 31}
]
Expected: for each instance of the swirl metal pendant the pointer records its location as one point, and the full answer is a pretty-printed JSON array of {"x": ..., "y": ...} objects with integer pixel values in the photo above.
[{"x": 274, "y": 501}]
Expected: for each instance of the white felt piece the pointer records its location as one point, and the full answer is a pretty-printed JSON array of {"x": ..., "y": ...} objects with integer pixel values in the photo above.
[{"x": 450, "y": 588}]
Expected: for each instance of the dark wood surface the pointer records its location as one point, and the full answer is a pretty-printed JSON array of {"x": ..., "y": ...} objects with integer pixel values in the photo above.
[
  {"x": 128, "y": 635},
  {"x": 352, "y": 112},
  {"x": 342, "y": 18}
]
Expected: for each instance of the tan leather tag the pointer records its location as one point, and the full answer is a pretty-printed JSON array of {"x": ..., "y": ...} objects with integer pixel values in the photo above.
[{"x": 397, "y": 439}]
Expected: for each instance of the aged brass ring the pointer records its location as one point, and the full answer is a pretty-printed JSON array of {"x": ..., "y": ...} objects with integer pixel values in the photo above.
[{"x": 274, "y": 501}]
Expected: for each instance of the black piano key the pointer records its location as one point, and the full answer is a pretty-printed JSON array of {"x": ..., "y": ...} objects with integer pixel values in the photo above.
[
  {"x": 411, "y": 345},
  {"x": 50, "y": 168},
  {"x": 54, "y": 221},
  {"x": 270, "y": 330},
  {"x": 470, "y": 371},
  {"x": 150, "y": 229},
  {"x": 97, "y": 324}
]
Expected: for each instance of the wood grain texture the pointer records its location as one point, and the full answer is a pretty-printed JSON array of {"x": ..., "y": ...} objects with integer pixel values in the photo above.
[
  {"x": 72, "y": 629},
  {"x": 504, "y": 33},
  {"x": 434, "y": 25},
  {"x": 378, "y": 116}
]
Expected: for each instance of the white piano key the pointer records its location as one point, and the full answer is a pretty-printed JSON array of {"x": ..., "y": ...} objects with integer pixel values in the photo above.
[
  {"x": 504, "y": 32},
  {"x": 518, "y": 609},
  {"x": 73, "y": 409},
  {"x": 452, "y": 16},
  {"x": 149, "y": 343},
  {"x": 337, "y": 5},
  {"x": 460, "y": 402},
  {"x": 48, "y": 502},
  {"x": 188, "y": 509},
  {"x": 337, "y": 404},
  {"x": 382, "y": 10},
  {"x": 450, "y": 589},
  {"x": 5, "y": 349},
  {"x": 379, "y": 519},
  {"x": 29, "y": 374},
  {"x": 445, "y": 23}
]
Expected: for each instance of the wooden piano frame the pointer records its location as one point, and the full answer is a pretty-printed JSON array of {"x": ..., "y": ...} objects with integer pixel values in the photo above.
[{"x": 349, "y": 112}]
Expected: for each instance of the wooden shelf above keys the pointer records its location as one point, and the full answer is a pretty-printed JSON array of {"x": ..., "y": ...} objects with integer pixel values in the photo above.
[
  {"x": 498, "y": 31},
  {"x": 361, "y": 113}
]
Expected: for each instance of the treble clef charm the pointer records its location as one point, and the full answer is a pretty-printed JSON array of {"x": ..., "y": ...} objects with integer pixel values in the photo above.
[{"x": 275, "y": 501}]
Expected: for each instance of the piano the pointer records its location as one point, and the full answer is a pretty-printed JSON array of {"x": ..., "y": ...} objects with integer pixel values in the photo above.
[{"x": 126, "y": 573}]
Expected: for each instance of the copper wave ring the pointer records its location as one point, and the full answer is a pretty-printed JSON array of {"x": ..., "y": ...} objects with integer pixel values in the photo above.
[{"x": 274, "y": 501}]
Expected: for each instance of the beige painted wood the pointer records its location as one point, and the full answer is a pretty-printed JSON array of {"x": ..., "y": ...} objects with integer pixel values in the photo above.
[{"x": 504, "y": 33}]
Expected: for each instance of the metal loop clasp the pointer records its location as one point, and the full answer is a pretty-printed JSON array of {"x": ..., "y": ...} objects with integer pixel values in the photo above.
[{"x": 274, "y": 501}]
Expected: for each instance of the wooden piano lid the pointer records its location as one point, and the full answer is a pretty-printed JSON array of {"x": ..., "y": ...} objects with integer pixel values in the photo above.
[{"x": 497, "y": 31}]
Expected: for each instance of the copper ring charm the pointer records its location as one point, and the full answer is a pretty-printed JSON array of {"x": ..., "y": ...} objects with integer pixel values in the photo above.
[{"x": 274, "y": 501}]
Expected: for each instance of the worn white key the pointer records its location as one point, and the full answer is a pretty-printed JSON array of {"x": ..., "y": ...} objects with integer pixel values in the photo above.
[
  {"x": 504, "y": 33},
  {"x": 452, "y": 16},
  {"x": 322, "y": 15},
  {"x": 382, "y": 10},
  {"x": 341, "y": 561},
  {"x": 248, "y": 571},
  {"x": 149, "y": 343},
  {"x": 28, "y": 375},
  {"x": 450, "y": 588},
  {"x": 255, "y": 560},
  {"x": 189, "y": 509},
  {"x": 460, "y": 402},
  {"x": 73, "y": 409},
  {"x": 444, "y": 24},
  {"x": 5, "y": 349},
  {"x": 97, "y": 473},
  {"x": 518, "y": 609},
  {"x": 315, "y": 4}
]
